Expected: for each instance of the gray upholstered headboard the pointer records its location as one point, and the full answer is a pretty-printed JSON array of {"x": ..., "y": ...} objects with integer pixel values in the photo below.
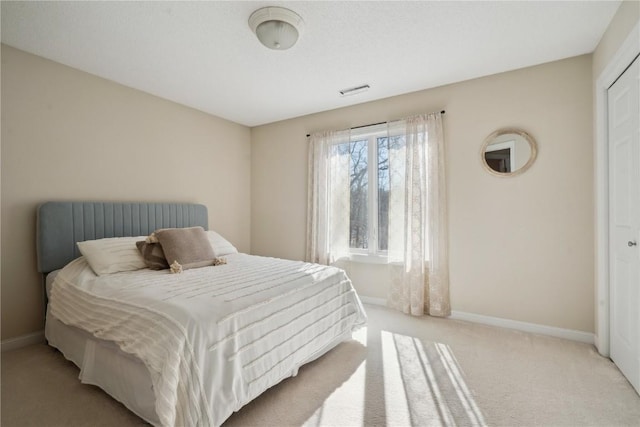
[{"x": 61, "y": 224}]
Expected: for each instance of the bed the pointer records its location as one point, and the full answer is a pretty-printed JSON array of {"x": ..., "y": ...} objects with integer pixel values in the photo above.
[{"x": 189, "y": 348}]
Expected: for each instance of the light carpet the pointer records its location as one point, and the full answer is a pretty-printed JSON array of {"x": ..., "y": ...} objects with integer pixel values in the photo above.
[{"x": 399, "y": 371}]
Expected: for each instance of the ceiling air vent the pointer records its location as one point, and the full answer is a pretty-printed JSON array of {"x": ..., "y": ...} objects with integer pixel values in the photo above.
[{"x": 354, "y": 90}]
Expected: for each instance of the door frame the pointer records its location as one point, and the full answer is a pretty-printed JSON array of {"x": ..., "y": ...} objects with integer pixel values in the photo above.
[{"x": 629, "y": 49}]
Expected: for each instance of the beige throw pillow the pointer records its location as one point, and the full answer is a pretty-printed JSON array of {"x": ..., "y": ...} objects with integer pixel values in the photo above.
[{"x": 189, "y": 247}]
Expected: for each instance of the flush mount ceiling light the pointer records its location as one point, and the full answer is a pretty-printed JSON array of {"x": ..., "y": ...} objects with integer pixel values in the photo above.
[{"x": 276, "y": 27}]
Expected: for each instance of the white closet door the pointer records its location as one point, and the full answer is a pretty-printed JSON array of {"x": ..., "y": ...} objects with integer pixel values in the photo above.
[{"x": 624, "y": 217}]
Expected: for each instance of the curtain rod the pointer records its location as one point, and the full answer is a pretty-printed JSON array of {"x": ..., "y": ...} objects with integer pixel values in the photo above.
[{"x": 372, "y": 124}]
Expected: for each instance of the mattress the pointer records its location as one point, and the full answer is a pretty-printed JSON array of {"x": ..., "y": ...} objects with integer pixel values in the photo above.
[{"x": 263, "y": 319}]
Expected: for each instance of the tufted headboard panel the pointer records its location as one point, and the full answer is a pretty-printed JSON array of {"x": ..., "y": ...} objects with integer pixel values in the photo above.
[{"x": 61, "y": 224}]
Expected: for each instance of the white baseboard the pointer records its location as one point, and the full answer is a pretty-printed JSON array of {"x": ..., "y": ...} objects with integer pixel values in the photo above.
[
  {"x": 535, "y": 328},
  {"x": 22, "y": 341},
  {"x": 373, "y": 301}
]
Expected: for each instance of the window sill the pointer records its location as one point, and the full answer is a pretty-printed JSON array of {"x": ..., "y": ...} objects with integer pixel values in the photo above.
[
  {"x": 369, "y": 259},
  {"x": 374, "y": 259}
]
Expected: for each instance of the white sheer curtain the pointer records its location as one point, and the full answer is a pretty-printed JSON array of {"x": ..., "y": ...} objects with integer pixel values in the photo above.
[
  {"x": 329, "y": 197},
  {"x": 418, "y": 243},
  {"x": 417, "y": 220}
]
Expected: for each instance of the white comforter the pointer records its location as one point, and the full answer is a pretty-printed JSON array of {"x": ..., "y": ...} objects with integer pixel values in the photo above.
[{"x": 213, "y": 338}]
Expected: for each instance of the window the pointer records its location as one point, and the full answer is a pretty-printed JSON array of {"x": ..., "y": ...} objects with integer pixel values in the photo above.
[
  {"x": 378, "y": 194},
  {"x": 368, "y": 151}
]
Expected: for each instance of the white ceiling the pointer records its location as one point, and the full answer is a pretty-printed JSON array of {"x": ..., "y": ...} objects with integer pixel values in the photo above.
[{"x": 204, "y": 55}]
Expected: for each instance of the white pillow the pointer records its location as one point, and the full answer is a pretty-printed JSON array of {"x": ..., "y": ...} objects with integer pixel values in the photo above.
[
  {"x": 106, "y": 256},
  {"x": 220, "y": 245}
]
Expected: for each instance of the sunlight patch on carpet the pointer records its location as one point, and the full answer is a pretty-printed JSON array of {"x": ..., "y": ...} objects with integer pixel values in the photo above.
[
  {"x": 347, "y": 399},
  {"x": 395, "y": 396},
  {"x": 435, "y": 389},
  {"x": 345, "y": 405},
  {"x": 403, "y": 382}
]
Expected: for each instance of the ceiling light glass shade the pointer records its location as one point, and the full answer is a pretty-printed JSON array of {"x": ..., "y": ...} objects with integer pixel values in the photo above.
[
  {"x": 276, "y": 27},
  {"x": 277, "y": 34}
]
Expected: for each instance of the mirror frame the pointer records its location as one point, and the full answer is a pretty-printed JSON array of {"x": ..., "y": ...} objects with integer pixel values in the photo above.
[{"x": 530, "y": 140}]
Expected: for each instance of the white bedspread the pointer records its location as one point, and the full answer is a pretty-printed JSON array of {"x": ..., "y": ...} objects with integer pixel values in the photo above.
[{"x": 213, "y": 338}]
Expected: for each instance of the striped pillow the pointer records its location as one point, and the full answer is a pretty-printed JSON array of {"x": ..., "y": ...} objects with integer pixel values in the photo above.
[{"x": 153, "y": 255}]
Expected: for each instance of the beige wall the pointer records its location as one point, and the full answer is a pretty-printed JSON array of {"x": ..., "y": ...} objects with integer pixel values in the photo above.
[
  {"x": 627, "y": 16},
  {"x": 70, "y": 135},
  {"x": 522, "y": 247}
]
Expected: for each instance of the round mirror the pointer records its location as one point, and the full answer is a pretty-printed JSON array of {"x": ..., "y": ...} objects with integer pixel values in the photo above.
[{"x": 508, "y": 152}]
